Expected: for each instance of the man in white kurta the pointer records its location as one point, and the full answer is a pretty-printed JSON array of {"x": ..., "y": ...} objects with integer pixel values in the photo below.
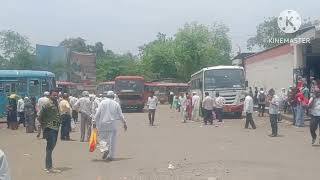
[
  {"x": 195, "y": 107},
  {"x": 106, "y": 117}
]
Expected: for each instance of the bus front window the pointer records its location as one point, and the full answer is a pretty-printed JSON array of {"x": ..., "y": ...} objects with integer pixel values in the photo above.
[{"x": 224, "y": 78}]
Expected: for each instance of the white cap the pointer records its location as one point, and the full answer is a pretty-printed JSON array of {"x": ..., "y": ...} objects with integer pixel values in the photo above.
[
  {"x": 194, "y": 92},
  {"x": 110, "y": 93},
  {"x": 85, "y": 93},
  {"x": 46, "y": 93}
]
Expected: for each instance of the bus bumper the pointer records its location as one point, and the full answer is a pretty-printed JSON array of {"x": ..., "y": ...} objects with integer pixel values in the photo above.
[{"x": 233, "y": 108}]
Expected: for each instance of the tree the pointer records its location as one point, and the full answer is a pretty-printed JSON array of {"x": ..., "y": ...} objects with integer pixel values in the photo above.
[
  {"x": 12, "y": 43},
  {"x": 158, "y": 57},
  {"x": 75, "y": 44},
  {"x": 112, "y": 65},
  {"x": 198, "y": 46},
  {"x": 22, "y": 60}
]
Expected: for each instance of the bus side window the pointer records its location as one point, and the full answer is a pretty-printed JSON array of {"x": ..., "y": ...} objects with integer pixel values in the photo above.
[
  {"x": 13, "y": 88},
  {"x": 44, "y": 85}
]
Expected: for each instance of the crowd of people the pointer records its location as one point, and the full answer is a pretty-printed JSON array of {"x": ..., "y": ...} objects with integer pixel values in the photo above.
[
  {"x": 190, "y": 106},
  {"x": 58, "y": 111}
]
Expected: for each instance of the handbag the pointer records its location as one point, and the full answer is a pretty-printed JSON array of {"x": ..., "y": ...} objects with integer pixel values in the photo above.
[{"x": 93, "y": 140}]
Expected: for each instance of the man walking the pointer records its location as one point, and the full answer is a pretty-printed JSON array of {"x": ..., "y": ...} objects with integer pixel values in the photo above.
[
  {"x": 20, "y": 109},
  {"x": 49, "y": 118},
  {"x": 314, "y": 105},
  {"x": 262, "y": 99},
  {"x": 41, "y": 102},
  {"x": 108, "y": 112},
  {"x": 220, "y": 101},
  {"x": 73, "y": 101},
  {"x": 207, "y": 105},
  {"x": 183, "y": 107},
  {"x": 273, "y": 112},
  {"x": 84, "y": 106},
  {"x": 65, "y": 112},
  {"x": 248, "y": 108},
  {"x": 195, "y": 107},
  {"x": 152, "y": 106}
]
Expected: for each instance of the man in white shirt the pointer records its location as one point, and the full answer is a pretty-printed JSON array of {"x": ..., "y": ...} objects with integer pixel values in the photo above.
[
  {"x": 108, "y": 113},
  {"x": 84, "y": 106},
  {"x": 220, "y": 101},
  {"x": 41, "y": 102},
  {"x": 73, "y": 101},
  {"x": 248, "y": 108},
  {"x": 207, "y": 105},
  {"x": 183, "y": 107},
  {"x": 20, "y": 109},
  {"x": 195, "y": 107},
  {"x": 152, "y": 106}
]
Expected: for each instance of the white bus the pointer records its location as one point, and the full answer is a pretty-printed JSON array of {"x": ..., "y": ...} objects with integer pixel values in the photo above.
[{"x": 229, "y": 81}]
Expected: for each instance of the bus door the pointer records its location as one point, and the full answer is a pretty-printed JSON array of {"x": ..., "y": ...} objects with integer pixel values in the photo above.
[
  {"x": 6, "y": 89},
  {"x": 34, "y": 87}
]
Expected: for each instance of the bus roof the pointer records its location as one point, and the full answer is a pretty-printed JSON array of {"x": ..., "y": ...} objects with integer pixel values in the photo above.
[
  {"x": 218, "y": 67},
  {"x": 106, "y": 82},
  {"x": 129, "y": 78},
  {"x": 25, "y": 73},
  {"x": 167, "y": 84}
]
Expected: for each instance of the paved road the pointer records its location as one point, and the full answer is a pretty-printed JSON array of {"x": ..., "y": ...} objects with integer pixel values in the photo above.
[{"x": 226, "y": 152}]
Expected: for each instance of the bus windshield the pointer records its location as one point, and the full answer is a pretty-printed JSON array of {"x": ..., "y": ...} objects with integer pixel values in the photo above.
[
  {"x": 224, "y": 78},
  {"x": 129, "y": 86}
]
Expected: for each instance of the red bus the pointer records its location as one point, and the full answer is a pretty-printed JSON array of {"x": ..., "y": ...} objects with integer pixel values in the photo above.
[
  {"x": 105, "y": 86},
  {"x": 67, "y": 87},
  {"x": 163, "y": 89},
  {"x": 130, "y": 90}
]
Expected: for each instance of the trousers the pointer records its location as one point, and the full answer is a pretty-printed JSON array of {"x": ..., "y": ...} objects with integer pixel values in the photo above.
[
  {"x": 249, "y": 120},
  {"x": 51, "y": 136},
  {"x": 274, "y": 124},
  {"x": 151, "y": 115},
  {"x": 300, "y": 115},
  {"x": 314, "y": 124},
  {"x": 85, "y": 126},
  {"x": 65, "y": 126},
  {"x": 107, "y": 140},
  {"x": 195, "y": 114}
]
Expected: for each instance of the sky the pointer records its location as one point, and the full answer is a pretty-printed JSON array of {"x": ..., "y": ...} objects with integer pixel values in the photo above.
[{"x": 124, "y": 25}]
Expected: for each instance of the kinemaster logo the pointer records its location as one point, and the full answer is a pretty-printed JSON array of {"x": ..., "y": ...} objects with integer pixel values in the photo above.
[{"x": 289, "y": 22}]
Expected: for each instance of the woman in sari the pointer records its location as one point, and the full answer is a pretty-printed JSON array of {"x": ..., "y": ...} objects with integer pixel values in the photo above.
[
  {"x": 12, "y": 112},
  {"x": 189, "y": 106},
  {"x": 30, "y": 114}
]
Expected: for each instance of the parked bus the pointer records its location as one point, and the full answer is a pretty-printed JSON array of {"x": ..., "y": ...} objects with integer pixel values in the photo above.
[
  {"x": 67, "y": 87},
  {"x": 229, "y": 81},
  {"x": 163, "y": 89},
  {"x": 105, "y": 86},
  {"x": 24, "y": 83},
  {"x": 130, "y": 90}
]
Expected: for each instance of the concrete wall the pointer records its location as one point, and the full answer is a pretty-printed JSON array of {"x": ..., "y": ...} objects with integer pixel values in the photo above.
[{"x": 271, "y": 69}]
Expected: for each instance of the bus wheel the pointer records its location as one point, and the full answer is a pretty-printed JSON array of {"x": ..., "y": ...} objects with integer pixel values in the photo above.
[{"x": 238, "y": 115}]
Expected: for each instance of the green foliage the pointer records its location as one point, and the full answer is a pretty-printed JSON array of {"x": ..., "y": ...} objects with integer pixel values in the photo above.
[
  {"x": 111, "y": 65},
  {"x": 12, "y": 43},
  {"x": 60, "y": 69},
  {"x": 158, "y": 58},
  {"x": 198, "y": 46},
  {"x": 75, "y": 44},
  {"x": 22, "y": 60}
]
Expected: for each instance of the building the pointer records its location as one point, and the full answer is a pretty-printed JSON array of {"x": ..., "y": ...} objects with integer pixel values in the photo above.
[
  {"x": 238, "y": 59},
  {"x": 280, "y": 66}
]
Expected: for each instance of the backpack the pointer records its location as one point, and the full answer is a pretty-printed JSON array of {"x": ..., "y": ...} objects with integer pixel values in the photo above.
[{"x": 262, "y": 97}]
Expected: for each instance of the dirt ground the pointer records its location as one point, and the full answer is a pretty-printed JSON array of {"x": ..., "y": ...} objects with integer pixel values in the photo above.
[{"x": 226, "y": 152}]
